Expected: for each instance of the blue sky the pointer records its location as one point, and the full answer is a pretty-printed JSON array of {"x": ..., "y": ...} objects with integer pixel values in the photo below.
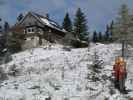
[{"x": 98, "y": 12}]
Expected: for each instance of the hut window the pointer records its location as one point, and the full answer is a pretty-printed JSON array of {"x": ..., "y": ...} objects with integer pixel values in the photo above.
[{"x": 30, "y": 30}]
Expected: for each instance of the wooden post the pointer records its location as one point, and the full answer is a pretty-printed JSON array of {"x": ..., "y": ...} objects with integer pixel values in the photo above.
[{"x": 123, "y": 47}]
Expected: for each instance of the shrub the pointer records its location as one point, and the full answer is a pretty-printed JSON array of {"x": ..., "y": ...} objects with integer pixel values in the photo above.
[
  {"x": 3, "y": 75},
  {"x": 49, "y": 98},
  {"x": 66, "y": 48},
  {"x": 79, "y": 44},
  {"x": 14, "y": 71}
]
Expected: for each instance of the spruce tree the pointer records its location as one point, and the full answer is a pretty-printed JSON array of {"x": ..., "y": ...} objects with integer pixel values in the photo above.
[
  {"x": 2, "y": 43},
  {"x": 0, "y": 25},
  {"x": 95, "y": 37},
  {"x": 15, "y": 41},
  {"x": 122, "y": 23},
  {"x": 47, "y": 16},
  {"x": 67, "y": 24},
  {"x": 111, "y": 27},
  {"x": 106, "y": 36},
  {"x": 6, "y": 30},
  {"x": 111, "y": 30},
  {"x": 100, "y": 37},
  {"x": 20, "y": 17},
  {"x": 4, "y": 35},
  {"x": 80, "y": 25},
  {"x": 6, "y": 26},
  {"x": 3, "y": 38}
]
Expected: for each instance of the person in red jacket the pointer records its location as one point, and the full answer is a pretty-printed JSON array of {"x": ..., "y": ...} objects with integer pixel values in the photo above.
[
  {"x": 116, "y": 72},
  {"x": 119, "y": 72},
  {"x": 122, "y": 76}
]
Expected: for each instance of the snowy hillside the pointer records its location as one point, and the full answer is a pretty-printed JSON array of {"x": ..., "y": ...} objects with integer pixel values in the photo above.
[{"x": 62, "y": 75}]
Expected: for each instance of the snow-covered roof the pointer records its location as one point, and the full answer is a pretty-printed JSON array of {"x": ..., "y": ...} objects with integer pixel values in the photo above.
[
  {"x": 44, "y": 20},
  {"x": 49, "y": 22}
]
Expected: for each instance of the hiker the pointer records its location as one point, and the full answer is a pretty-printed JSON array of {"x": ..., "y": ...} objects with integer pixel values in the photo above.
[
  {"x": 122, "y": 75},
  {"x": 119, "y": 71},
  {"x": 115, "y": 73}
]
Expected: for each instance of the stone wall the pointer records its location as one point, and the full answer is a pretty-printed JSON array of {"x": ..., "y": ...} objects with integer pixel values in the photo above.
[{"x": 31, "y": 42}]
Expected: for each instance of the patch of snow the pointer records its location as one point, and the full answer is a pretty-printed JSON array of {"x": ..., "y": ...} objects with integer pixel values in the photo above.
[
  {"x": 46, "y": 21},
  {"x": 52, "y": 24},
  {"x": 62, "y": 74}
]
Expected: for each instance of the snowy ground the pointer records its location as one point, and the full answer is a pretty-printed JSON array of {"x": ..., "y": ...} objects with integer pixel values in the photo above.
[{"x": 62, "y": 75}]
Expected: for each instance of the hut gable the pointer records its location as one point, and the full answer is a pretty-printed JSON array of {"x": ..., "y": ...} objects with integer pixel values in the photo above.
[{"x": 29, "y": 20}]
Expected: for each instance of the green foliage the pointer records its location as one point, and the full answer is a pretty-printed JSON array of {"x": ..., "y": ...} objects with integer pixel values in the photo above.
[
  {"x": 95, "y": 37},
  {"x": 15, "y": 41},
  {"x": 111, "y": 30},
  {"x": 3, "y": 75},
  {"x": 14, "y": 70},
  {"x": 111, "y": 27},
  {"x": 96, "y": 68},
  {"x": 3, "y": 38},
  {"x": 6, "y": 26},
  {"x": 100, "y": 37},
  {"x": 84, "y": 36},
  {"x": 0, "y": 25},
  {"x": 107, "y": 36},
  {"x": 67, "y": 24},
  {"x": 20, "y": 17},
  {"x": 7, "y": 57},
  {"x": 79, "y": 44},
  {"x": 80, "y": 25},
  {"x": 5, "y": 34},
  {"x": 122, "y": 24}
]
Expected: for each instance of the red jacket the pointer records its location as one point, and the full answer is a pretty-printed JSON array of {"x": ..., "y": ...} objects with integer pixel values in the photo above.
[
  {"x": 122, "y": 72},
  {"x": 119, "y": 71},
  {"x": 116, "y": 71}
]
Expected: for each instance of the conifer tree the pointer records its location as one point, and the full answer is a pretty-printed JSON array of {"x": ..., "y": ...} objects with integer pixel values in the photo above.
[
  {"x": 111, "y": 27},
  {"x": 15, "y": 41},
  {"x": 1, "y": 38},
  {"x": 80, "y": 25},
  {"x": 100, "y": 37},
  {"x": 95, "y": 37},
  {"x": 47, "y": 16},
  {"x": 111, "y": 30},
  {"x": 4, "y": 35},
  {"x": 20, "y": 17},
  {"x": 6, "y": 30},
  {"x": 67, "y": 24},
  {"x": 6, "y": 26},
  {"x": 0, "y": 25},
  {"x": 106, "y": 36},
  {"x": 122, "y": 23}
]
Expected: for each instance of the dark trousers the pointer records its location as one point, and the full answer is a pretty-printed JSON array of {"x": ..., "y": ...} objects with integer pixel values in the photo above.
[
  {"x": 122, "y": 84},
  {"x": 116, "y": 83}
]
